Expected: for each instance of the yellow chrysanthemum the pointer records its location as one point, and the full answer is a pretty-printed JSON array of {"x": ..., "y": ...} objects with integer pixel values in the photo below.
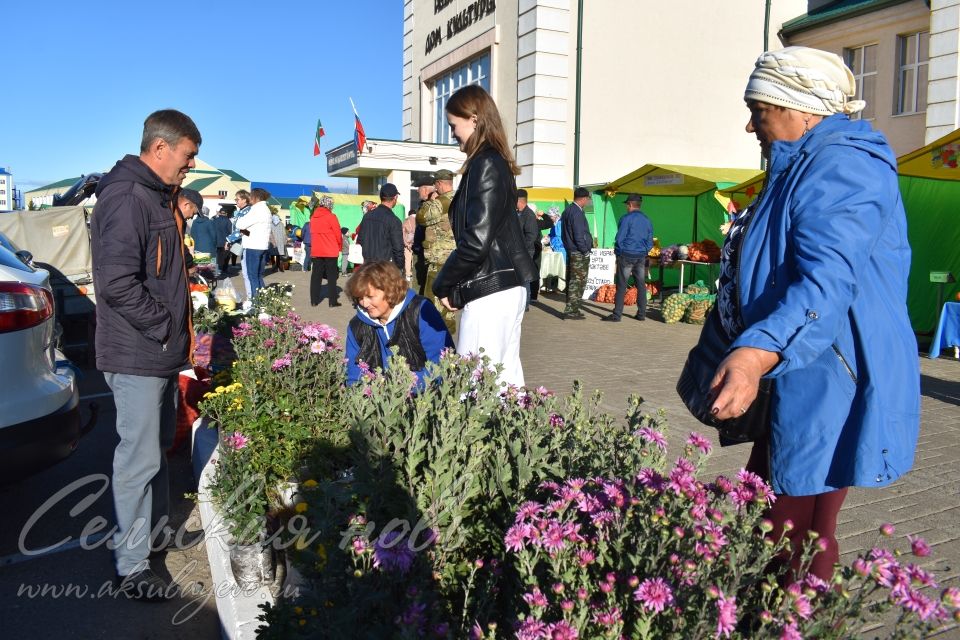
[{"x": 310, "y": 484}]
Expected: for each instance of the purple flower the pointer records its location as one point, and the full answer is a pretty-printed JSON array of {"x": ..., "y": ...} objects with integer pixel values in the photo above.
[
  {"x": 269, "y": 343},
  {"x": 607, "y": 618},
  {"x": 553, "y": 537},
  {"x": 919, "y": 546},
  {"x": 243, "y": 330},
  {"x": 654, "y": 594},
  {"x": 236, "y": 441},
  {"x": 556, "y": 421},
  {"x": 652, "y": 436},
  {"x": 529, "y": 629},
  {"x": 790, "y": 632},
  {"x": 726, "y": 615},
  {"x": 528, "y": 510},
  {"x": 360, "y": 546},
  {"x": 651, "y": 480},
  {"x": 268, "y": 322},
  {"x": 585, "y": 557},
  {"x": 543, "y": 392},
  {"x": 367, "y": 392},
  {"x": 535, "y": 598},
  {"x": 951, "y": 596},
  {"x": 282, "y": 362},
  {"x": 887, "y": 529},
  {"x": 562, "y": 631},
  {"x": 390, "y": 553},
  {"x": 701, "y": 443},
  {"x": 525, "y": 401},
  {"x": 722, "y": 485},
  {"x": 516, "y": 535},
  {"x": 311, "y": 331}
]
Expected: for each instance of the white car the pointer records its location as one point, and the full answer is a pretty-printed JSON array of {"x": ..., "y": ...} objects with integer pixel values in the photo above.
[{"x": 39, "y": 401}]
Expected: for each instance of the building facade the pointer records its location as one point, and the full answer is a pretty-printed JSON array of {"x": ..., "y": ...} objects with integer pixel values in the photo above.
[
  {"x": 588, "y": 97},
  {"x": 7, "y": 192},
  {"x": 904, "y": 56}
]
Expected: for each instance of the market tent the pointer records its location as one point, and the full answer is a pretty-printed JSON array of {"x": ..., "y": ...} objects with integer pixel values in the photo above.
[
  {"x": 347, "y": 207},
  {"x": 679, "y": 201},
  {"x": 930, "y": 188}
]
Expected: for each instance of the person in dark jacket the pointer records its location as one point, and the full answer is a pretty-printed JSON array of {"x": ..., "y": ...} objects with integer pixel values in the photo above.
[
  {"x": 326, "y": 240},
  {"x": 577, "y": 242},
  {"x": 144, "y": 335},
  {"x": 531, "y": 237},
  {"x": 634, "y": 241},
  {"x": 204, "y": 234},
  {"x": 487, "y": 274},
  {"x": 390, "y": 314},
  {"x": 381, "y": 232},
  {"x": 223, "y": 227}
]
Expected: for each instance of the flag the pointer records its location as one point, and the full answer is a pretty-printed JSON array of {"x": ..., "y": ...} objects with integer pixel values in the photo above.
[
  {"x": 316, "y": 139},
  {"x": 359, "y": 137}
]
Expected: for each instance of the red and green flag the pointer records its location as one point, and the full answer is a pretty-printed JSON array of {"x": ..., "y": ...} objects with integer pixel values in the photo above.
[{"x": 316, "y": 139}]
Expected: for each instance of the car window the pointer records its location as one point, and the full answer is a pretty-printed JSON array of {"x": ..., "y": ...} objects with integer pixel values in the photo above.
[
  {"x": 6, "y": 243},
  {"x": 10, "y": 259}
]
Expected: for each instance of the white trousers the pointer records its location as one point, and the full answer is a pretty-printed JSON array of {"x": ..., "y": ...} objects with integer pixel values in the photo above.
[{"x": 492, "y": 323}]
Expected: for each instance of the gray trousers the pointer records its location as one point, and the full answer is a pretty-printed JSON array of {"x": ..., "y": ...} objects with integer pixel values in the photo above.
[{"x": 146, "y": 424}]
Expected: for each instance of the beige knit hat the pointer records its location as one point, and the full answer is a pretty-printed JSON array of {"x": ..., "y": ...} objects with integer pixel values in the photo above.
[{"x": 804, "y": 79}]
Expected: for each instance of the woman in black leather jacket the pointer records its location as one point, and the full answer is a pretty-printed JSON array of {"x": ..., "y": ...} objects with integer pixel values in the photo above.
[{"x": 487, "y": 274}]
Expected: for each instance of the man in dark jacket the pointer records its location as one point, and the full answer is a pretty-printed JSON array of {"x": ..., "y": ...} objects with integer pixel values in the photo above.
[
  {"x": 634, "y": 241},
  {"x": 577, "y": 242},
  {"x": 223, "y": 227},
  {"x": 381, "y": 232},
  {"x": 144, "y": 336},
  {"x": 531, "y": 238}
]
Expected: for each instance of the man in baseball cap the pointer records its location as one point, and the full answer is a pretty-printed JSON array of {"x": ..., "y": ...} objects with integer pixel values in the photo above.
[{"x": 381, "y": 233}]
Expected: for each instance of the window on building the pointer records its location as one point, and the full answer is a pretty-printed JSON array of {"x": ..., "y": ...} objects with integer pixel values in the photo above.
[
  {"x": 912, "y": 62},
  {"x": 222, "y": 193},
  {"x": 477, "y": 71},
  {"x": 863, "y": 62}
]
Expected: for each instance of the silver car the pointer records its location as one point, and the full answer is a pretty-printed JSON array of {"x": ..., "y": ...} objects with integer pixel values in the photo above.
[{"x": 39, "y": 402}]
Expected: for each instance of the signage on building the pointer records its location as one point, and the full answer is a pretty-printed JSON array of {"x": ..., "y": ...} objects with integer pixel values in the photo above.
[
  {"x": 341, "y": 157},
  {"x": 474, "y": 12},
  {"x": 663, "y": 179}
]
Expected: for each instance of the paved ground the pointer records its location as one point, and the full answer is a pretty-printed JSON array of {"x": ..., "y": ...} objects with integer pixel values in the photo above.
[
  {"x": 645, "y": 358},
  {"x": 618, "y": 359}
]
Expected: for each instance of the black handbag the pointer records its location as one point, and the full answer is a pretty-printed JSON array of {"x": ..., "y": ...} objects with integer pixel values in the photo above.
[
  {"x": 474, "y": 288},
  {"x": 694, "y": 388}
]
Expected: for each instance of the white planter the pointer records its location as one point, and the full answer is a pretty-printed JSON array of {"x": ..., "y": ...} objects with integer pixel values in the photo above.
[{"x": 238, "y": 606}]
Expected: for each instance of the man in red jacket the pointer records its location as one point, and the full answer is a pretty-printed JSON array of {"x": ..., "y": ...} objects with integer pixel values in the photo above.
[{"x": 326, "y": 241}]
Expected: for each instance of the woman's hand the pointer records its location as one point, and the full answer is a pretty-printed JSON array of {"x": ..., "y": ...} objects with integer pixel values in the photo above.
[
  {"x": 735, "y": 384},
  {"x": 446, "y": 303}
]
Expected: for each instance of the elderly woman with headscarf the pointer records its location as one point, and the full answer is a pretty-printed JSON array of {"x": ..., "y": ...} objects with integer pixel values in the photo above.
[
  {"x": 325, "y": 244},
  {"x": 812, "y": 295}
]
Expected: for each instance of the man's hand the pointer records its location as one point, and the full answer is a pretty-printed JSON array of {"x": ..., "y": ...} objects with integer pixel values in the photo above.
[{"x": 244, "y": 232}]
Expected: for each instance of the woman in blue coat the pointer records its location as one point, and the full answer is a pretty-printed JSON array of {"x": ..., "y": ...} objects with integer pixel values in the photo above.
[
  {"x": 813, "y": 295},
  {"x": 390, "y": 314}
]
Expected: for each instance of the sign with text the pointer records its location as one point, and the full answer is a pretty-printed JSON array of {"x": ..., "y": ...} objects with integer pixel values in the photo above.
[
  {"x": 342, "y": 157},
  {"x": 663, "y": 180},
  {"x": 603, "y": 268}
]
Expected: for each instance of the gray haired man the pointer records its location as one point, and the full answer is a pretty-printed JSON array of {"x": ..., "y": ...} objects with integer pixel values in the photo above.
[{"x": 143, "y": 337}]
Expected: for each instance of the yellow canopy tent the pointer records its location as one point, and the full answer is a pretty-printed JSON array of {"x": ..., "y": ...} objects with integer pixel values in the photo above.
[
  {"x": 930, "y": 187},
  {"x": 678, "y": 200}
]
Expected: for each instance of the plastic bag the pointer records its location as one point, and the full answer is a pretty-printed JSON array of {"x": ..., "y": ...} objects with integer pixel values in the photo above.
[{"x": 226, "y": 295}]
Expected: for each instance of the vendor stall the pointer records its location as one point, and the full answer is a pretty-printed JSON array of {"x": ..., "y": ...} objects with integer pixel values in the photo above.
[{"x": 680, "y": 203}]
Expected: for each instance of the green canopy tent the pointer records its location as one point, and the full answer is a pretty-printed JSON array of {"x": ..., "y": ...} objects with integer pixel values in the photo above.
[
  {"x": 930, "y": 188},
  {"x": 679, "y": 201}
]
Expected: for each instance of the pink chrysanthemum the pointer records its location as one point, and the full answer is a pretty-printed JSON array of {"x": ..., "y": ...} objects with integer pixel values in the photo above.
[{"x": 654, "y": 594}]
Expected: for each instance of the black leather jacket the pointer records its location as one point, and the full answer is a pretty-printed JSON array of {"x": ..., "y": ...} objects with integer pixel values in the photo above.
[{"x": 485, "y": 225}]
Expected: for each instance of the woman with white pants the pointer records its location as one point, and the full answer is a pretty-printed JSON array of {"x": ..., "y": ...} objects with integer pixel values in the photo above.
[{"x": 487, "y": 274}]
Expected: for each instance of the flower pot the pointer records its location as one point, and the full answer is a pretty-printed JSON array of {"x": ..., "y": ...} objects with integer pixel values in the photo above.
[{"x": 252, "y": 564}]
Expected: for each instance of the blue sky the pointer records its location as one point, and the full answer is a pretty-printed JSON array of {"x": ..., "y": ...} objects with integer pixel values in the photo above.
[{"x": 254, "y": 76}]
